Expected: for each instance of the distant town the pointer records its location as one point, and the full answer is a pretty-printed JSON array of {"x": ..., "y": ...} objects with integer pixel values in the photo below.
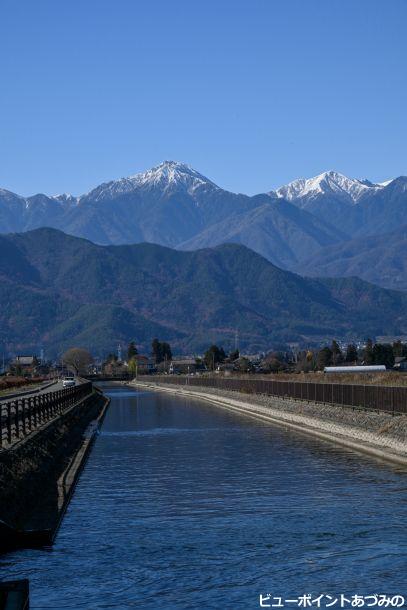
[{"x": 127, "y": 362}]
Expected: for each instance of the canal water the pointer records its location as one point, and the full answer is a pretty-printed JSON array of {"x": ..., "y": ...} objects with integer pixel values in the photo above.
[{"x": 182, "y": 506}]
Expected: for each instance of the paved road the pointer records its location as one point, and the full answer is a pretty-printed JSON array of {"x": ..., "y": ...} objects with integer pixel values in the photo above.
[{"x": 52, "y": 388}]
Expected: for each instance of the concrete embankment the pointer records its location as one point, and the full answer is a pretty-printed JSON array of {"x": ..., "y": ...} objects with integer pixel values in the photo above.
[
  {"x": 38, "y": 475},
  {"x": 378, "y": 434}
]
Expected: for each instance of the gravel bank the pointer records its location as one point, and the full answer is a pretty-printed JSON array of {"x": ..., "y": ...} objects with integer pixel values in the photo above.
[{"x": 379, "y": 434}]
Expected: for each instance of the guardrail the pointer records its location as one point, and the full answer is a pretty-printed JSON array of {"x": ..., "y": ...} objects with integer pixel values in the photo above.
[
  {"x": 35, "y": 390},
  {"x": 22, "y": 415},
  {"x": 392, "y": 399}
]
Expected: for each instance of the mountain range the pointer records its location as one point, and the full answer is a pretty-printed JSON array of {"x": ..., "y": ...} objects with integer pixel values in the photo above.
[
  {"x": 329, "y": 224},
  {"x": 57, "y": 290}
]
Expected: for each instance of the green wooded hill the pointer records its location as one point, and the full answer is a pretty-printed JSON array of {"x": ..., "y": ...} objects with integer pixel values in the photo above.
[{"x": 57, "y": 291}]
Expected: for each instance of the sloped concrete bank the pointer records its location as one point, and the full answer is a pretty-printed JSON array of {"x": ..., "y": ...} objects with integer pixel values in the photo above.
[
  {"x": 378, "y": 434},
  {"x": 38, "y": 476}
]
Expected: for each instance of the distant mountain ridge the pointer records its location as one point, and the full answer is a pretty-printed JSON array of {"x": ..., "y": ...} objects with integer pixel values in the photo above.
[
  {"x": 57, "y": 290},
  {"x": 174, "y": 205},
  {"x": 350, "y": 190},
  {"x": 364, "y": 257}
]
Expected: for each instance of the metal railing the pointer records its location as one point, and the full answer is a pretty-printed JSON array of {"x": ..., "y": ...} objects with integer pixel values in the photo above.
[
  {"x": 392, "y": 399},
  {"x": 22, "y": 415}
]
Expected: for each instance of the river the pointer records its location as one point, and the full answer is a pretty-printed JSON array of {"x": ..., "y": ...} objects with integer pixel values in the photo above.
[{"x": 182, "y": 505}]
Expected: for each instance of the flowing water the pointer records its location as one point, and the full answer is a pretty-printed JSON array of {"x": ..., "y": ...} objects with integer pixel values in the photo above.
[{"x": 183, "y": 505}]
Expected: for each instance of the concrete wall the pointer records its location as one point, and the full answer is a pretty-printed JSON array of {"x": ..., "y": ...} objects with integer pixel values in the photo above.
[{"x": 34, "y": 486}]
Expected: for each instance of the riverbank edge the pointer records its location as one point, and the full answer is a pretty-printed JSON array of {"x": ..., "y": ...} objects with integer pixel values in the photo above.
[
  {"x": 69, "y": 478},
  {"x": 50, "y": 473},
  {"x": 311, "y": 427}
]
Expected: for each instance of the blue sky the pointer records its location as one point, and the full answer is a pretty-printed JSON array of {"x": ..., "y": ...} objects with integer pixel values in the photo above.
[{"x": 252, "y": 94}]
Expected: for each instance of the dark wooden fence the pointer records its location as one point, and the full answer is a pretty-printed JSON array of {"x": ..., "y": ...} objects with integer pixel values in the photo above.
[
  {"x": 22, "y": 415},
  {"x": 392, "y": 399}
]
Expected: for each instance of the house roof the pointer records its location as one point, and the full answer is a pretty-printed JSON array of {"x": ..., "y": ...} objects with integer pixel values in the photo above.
[
  {"x": 184, "y": 362},
  {"x": 28, "y": 360}
]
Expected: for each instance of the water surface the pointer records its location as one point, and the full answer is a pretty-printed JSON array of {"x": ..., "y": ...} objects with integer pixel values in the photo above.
[{"x": 182, "y": 505}]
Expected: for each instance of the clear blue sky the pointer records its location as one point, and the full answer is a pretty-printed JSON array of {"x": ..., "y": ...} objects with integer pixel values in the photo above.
[{"x": 251, "y": 93}]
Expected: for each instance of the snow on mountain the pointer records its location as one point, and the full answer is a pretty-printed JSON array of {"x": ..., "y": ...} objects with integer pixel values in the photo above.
[
  {"x": 65, "y": 197},
  {"x": 166, "y": 176},
  {"x": 171, "y": 173},
  {"x": 330, "y": 182},
  {"x": 174, "y": 205}
]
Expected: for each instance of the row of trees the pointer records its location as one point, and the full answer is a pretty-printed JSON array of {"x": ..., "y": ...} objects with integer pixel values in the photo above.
[
  {"x": 79, "y": 359},
  {"x": 216, "y": 355},
  {"x": 160, "y": 352},
  {"x": 372, "y": 353}
]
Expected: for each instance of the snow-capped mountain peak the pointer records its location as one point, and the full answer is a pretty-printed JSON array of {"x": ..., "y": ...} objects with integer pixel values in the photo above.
[
  {"x": 167, "y": 175},
  {"x": 328, "y": 182},
  {"x": 170, "y": 173}
]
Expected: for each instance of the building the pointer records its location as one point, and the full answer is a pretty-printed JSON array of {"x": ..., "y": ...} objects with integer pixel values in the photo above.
[
  {"x": 25, "y": 361},
  {"x": 24, "y": 365},
  {"x": 400, "y": 363},
  {"x": 145, "y": 365},
  {"x": 183, "y": 366},
  {"x": 374, "y": 368}
]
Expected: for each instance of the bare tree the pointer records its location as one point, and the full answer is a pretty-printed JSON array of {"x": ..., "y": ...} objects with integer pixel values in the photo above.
[{"x": 77, "y": 359}]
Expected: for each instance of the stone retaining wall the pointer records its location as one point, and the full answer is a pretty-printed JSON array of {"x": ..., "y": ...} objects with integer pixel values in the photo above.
[
  {"x": 30, "y": 496},
  {"x": 379, "y": 434}
]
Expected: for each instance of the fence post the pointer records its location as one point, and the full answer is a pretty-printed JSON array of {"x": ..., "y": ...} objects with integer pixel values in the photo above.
[
  {"x": 9, "y": 424},
  {"x": 2, "y": 418},
  {"x": 23, "y": 414},
  {"x": 17, "y": 418}
]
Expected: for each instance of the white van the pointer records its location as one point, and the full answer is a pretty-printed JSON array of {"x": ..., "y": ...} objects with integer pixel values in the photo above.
[{"x": 68, "y": 382}]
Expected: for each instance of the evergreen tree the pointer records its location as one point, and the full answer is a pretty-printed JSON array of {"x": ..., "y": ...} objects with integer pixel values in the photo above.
[
  {"x": 336, "y": 352},
  {"x": 383, "y": 354},
  {"x": 166, "y": 351},
  {"x": 324, "y": 358},
  {"x": 368, "y": 357},
  {"x": 131, "y": 350},
  {"x": 399, "y": 349},
  {"x": 351, "y": 353},
  {"x": 161, "y": 351},
  {"x": 156, "y": 351},
  {"x": 213, "y": 356}
]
